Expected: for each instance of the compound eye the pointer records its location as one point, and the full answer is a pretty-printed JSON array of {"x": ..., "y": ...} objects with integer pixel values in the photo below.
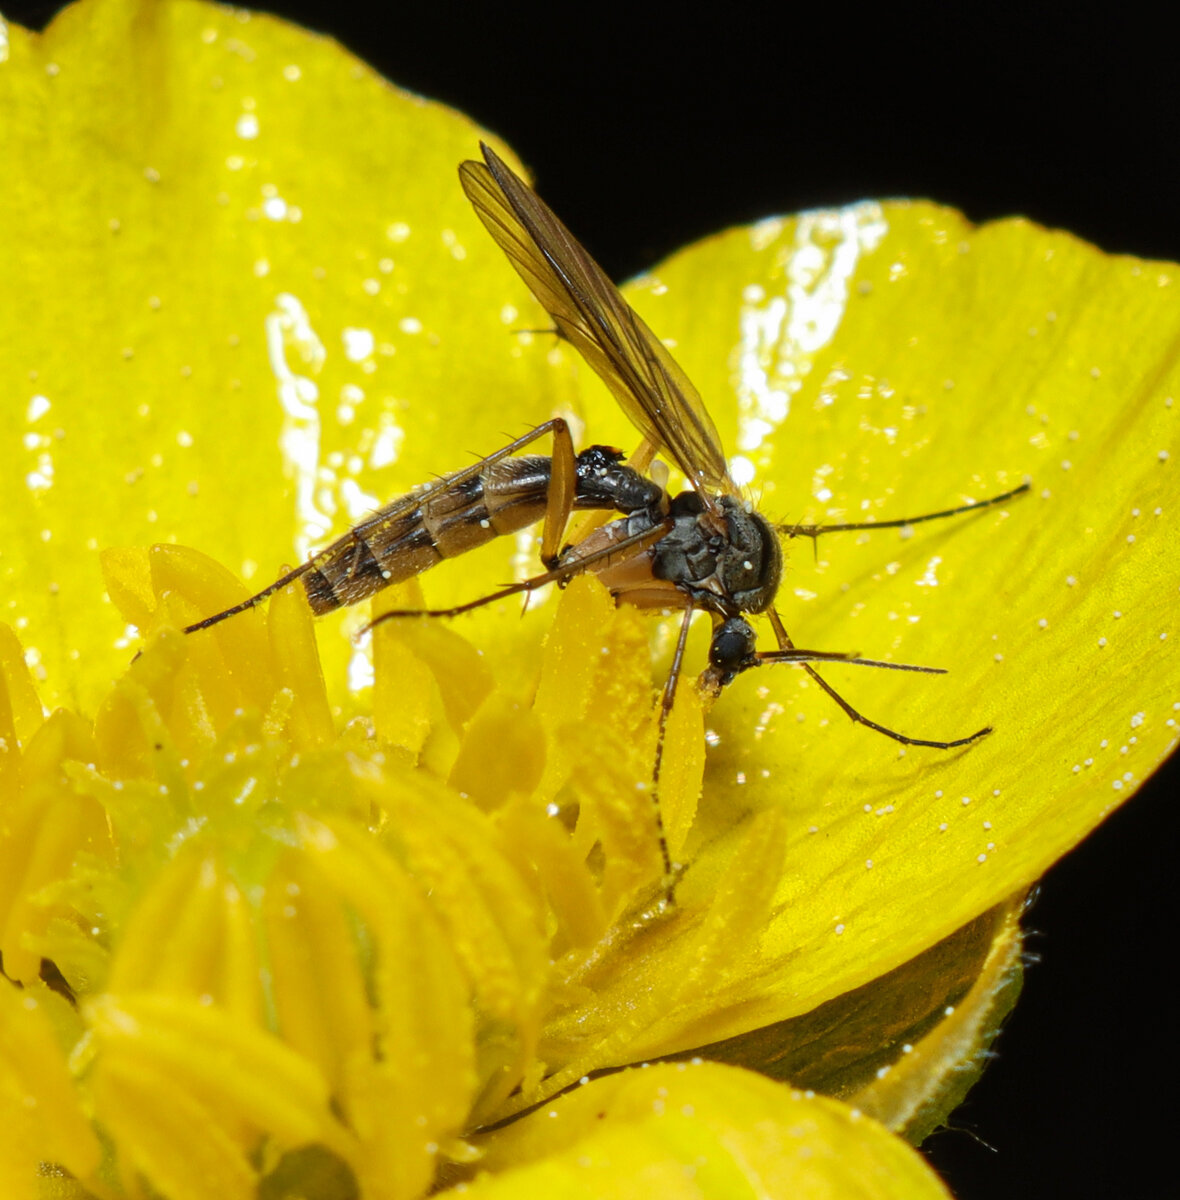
[{"x": 732, "y": 646}]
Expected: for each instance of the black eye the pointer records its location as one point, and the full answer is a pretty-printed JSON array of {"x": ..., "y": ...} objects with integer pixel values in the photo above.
[{"x": 732, "y": 646}]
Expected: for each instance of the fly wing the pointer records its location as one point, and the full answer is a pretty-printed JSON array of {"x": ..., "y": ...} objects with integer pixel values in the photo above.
[{"x": 590, "y": 313}]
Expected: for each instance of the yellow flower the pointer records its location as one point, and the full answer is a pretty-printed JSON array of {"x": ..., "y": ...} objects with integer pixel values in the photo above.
[{"x": 284, "y": 913}]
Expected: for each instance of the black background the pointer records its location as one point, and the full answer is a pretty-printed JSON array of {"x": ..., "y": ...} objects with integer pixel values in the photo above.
[{"x": 647, "y": 128}]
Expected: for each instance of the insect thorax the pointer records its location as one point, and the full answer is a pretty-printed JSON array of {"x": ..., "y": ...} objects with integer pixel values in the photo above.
[{"x": 729, "y": 566}]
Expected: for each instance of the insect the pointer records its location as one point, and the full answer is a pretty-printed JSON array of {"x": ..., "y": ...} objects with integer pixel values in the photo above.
[{"x": 705, "y": 549}]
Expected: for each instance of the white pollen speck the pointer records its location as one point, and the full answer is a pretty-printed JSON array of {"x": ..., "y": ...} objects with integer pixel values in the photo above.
[
  {"x": 998, "y": 657},
  {"x": 938, "y": 794},
  {"x": 1137, "y": 720},
  {"x": 38, "y": 407},
  {"x": 274, "y": 208},
  {"x": 839, "y": 929},
  {"x": 291, "y": 73},
  {"x": 1117, "y": 614},
  {"x": 741, "y": 470},
  {"x": 1163, "y": 456},
  {"x": 1070, "y": 581},
  {"x": 410, "y": 325},
  {"x": 1117, "y": 784},
  {"x": 942, "y": 827},
  {"x": 1042, "y": 624},
  {"x": 247, "y": 126},
  {"x": 358, "y": 344},
  {"x": 868, "y": 864},
  {"x": 1130, "y": 538},
  {"x": 981, "y": 858},
  {"x": 1066, "y": 464},
  {"x": 1102, "y": 641},
  {"x": 1077, "y": 767},
  {"x": 965, "y": 800}
]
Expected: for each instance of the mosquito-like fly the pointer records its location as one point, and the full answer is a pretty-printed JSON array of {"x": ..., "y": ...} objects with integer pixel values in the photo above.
[{"x": 705, "y": 549}]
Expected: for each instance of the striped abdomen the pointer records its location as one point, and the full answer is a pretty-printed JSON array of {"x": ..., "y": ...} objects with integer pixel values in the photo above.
[{"x": 402, "y": 540}]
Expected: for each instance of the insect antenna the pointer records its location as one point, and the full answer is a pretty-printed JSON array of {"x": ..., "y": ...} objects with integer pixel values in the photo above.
[{"x": 814, "y": 531}]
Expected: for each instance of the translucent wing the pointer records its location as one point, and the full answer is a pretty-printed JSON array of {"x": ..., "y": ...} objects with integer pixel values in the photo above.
[{"x": 657, "y": 396}]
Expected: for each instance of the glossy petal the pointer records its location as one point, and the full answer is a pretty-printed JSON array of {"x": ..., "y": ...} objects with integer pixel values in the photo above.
[
  {"x": 888, "y": 361},
  {"x": 248, "y": 303},
  {"x": 698, "y": 1131}
]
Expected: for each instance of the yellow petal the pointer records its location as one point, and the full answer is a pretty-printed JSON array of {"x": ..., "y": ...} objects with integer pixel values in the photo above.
[
  {"x": 43, "y": 1118},
  {"x": 884, "y": 362},
  {"x": 230, "y": 1081},
  {"x": 48, "y": 824},
  {"x": 282, "y": 345},
  {"x": 907, "y": 1047},
  {"x": 267, "y": 332},
  {"x": 698, "y": 1131}
]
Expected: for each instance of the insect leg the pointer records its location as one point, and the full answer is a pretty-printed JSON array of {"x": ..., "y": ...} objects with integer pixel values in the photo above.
[
  {"x": 784, "y": 640},
  {"x": 254, "y": 600},
  {"x": 813, "y": 531},
  {"x": 561, "y": 574},
  {"x": 667, "y": 699},
  {"x": 563, "y": 479}
]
